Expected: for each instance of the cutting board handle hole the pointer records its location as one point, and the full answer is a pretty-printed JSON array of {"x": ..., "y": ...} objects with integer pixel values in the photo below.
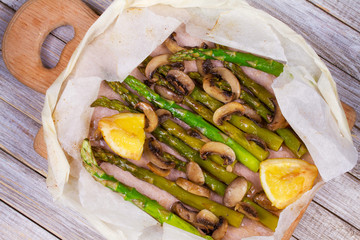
[{"x": 54, "y": 44}]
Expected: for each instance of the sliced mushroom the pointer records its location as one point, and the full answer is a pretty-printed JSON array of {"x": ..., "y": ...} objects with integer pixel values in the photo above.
[
  {"x": 224, "y": 151},
  {"x": 235, "y": 192},
  {"x": 193, "y": 188},
  {"x": 215, "y": 92},
  {"x": 151, "y": 117},
  {"x": 248, "y": 210},
  {"x": 261, "y": 199},
  {"x": 196, "y": 134},
  {"x": 257, "y": 140},
  {"x": 224, "y": 112},
  {"x": 194, "y": 173},
  {"x": 204, "y": 66},
  {"x": 278, "y": 121},
  {"x": 168, "y": 94},
  {"x": 221, "y": 229},
  {"x": 158, "y": 171},
  {"x": 154, "y": 152},
  {"x": 172, "y": 45},
  {"x": 181, "y": 81},
  {"x": 154, "y": 63},
  {"x": 206, "y": 221},
  {"x": 229, "y": 77},
  {"x": 163, "y": 115},
  {"x": 183, "y": 212},
  {"x": 251, "y": 192}
]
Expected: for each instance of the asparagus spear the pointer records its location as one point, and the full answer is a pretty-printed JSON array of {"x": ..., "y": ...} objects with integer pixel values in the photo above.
[
  {"x": 252, "y": 101},
  {"x": 266, "y": 218},
  {"x": 193, "y": 155},
  {"x": 195, "y": 143},
  {"x": 129, "y": 97},
  {"x": 214, "y": 184},
  {"x": 152, "y": 207},
  {"x": 112, "y": 104},
  {"x": 179, "y": 165},
  {"x": 259, "y": 91},
  {"x": 234, "y": 218},
  {"x": 228, "y": 129},
  {"x": 243, "y": 59},
  {"x": 195, "y": 121},
  {"x": 272, "y": 140},
  {"x": 292, "y": 142}
]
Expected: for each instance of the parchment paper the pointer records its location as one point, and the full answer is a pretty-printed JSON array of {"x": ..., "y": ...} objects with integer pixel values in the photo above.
[{"x": 122, "y": 37}]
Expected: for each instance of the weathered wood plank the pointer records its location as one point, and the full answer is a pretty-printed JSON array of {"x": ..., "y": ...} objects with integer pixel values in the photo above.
[
  {"x": 331, "y": 39},
  {"x": 25, "y": 190},
  {"x": 15, "y": 226},
  {"x": 98, "y": 6},
  {"x": 18, "y": 95},
  {"x": 17, "y": 133},
  {"x": 319, "y": 223},
  {"x": 346, "y": 11},
  {"x": 341, "y": 196}
]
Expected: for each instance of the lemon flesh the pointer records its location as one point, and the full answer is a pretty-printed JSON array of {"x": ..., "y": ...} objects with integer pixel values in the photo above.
[
  {"x": 124, "y": 133},
  {"x": 284, "y": 180}
]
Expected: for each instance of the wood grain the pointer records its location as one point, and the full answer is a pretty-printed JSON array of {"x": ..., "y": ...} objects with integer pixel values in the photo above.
[
  {"x": 13, "y": 225},
  {"x": 348, "y": 14},
  {"x": 22, "y": 48},
  {"x": 340, "y": 193},
  {"x": 18, "y": 139},
  {"x": 337, "y": 43},
  {"x": 320, "y": 224},
  {"x": 25, "y": 191}
]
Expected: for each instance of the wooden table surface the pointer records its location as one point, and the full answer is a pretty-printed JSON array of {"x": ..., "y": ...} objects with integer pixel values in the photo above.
[{"x": 331, "y": 27}]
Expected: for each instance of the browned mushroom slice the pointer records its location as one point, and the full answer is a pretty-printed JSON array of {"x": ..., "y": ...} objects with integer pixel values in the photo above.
[
  {"x": 193, "y": 188},
  {"x": 181, "y": 81},
  {"x": 172, "y": 45},
  {"x": 224, "y": 112},
  {"x": 194, "y": 173},
  {"x": 257, "y": 140},
  {"x": 261, "y": 199},
  {"x": 235, "y": 192},
  {"x": 154, "y": 63},
  {"x": 158, "y": 171},
  {"x": 183, "y": 212},
  {"x": 163, "y": 115},
  {"x": 217, "y": 93},
  {"x": 251, "y": 192},
  {"x": 154, "y": 152},
  {"x": 168, "y": 94},
  {"x": 221, "y": 229},
  {"x": 278, "y": 121},
  {"x": 206, "y": 221},
  {"x": 204, "y": 66},
  {"x": 196, "y": 134},
  {"x": 224, "y": 151},
  {"x": 248, "y": 210},
  {"x": 151, "y": 117}
]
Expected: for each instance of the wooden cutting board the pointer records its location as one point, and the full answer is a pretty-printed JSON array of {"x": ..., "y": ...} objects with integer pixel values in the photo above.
[{"x": 26, "y": 33}]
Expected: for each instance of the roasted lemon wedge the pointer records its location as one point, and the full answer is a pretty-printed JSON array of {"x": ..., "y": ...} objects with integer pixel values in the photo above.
[
  {"x": 284, "y": 180},
  {"x": 124, "y": 133}
]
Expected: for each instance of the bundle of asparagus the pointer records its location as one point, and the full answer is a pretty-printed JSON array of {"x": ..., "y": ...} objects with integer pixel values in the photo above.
[{"x": 232, "y": 119}]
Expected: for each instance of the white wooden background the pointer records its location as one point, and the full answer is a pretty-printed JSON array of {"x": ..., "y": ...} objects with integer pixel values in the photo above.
[{"x": 332, "y": 28}]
